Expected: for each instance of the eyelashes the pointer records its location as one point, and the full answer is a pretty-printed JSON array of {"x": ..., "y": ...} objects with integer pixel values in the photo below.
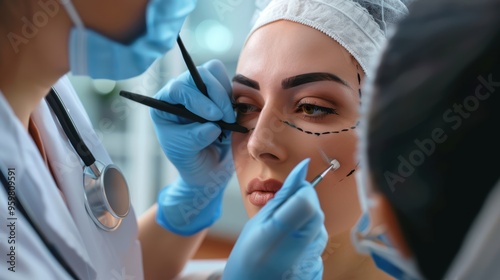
[
  {"x": 306, "y": 110},
  {"x": 244, "y": 108},
  {"x": 314, "y": 112}
]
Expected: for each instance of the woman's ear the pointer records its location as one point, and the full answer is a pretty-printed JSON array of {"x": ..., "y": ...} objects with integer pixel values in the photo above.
[{"x": 384, "y": 213}]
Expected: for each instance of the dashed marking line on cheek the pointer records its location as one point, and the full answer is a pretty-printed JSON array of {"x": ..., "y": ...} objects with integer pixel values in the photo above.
[
  {"x": 323, "y": 133},
  {"x": 319, "y": 133},
  {"x": 359, "y": 83},
  {"x": 350, "y": 173}
]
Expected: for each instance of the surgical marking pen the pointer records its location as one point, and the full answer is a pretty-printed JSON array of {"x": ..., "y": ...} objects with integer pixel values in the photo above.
[
  {"x": 192, "y": 68},
  {"x": 198, "y": 81},
  {"x": 179, "y": 110},
  {"x": 334, "y": 164}
]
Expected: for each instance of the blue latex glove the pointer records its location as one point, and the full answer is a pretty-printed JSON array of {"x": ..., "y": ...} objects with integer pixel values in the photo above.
[
  {"x": 205, "y": 164},
  {"x": 285, "y": 239}
]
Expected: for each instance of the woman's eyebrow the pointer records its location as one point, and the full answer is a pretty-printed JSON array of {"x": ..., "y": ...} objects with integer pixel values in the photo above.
[
  {"x": 311, "y": 77},
  {"x": 246, "y": 81}
]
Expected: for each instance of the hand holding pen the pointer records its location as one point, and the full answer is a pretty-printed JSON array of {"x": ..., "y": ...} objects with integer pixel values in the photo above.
[
  {"x": 204, "y": 163},
  {"x": 179, "y": 109}
]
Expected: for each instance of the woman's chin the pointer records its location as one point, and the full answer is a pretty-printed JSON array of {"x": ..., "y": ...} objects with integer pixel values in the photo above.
[{"x": 251, "y": 209}]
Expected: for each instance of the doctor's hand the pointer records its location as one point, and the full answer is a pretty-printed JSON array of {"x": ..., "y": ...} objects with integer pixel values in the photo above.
[
  {"x": 204, "y": 162},
  {"x": 285, "y": 239}
]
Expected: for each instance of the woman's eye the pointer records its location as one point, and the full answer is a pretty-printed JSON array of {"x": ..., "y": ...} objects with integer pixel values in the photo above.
[
  {"x": 315, "y": 111},
  {"x": 243, "y": 108}
]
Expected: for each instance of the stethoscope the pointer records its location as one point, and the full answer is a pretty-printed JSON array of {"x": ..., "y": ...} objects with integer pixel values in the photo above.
[
  {"x": 106, "y": 193},
  {"x": 107, "y": 199}
]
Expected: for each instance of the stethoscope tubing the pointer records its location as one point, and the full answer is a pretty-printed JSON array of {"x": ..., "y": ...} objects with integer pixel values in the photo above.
[{"x": 69, "y": 128}]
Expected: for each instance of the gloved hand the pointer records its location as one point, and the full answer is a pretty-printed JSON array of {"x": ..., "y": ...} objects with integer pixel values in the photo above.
[
  {"x": 205, "y": 164},
  {"x": 285, "y": 239}
]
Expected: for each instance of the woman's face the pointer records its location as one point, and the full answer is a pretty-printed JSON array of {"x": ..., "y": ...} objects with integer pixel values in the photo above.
[{"x": 298, "y": 91}]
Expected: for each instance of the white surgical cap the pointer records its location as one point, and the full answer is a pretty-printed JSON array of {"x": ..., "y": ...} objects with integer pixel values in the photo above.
[{"x": 360, "y": 26}]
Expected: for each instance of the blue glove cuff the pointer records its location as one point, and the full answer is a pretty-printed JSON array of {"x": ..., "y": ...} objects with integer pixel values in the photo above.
[{"x": 186, "y": 210}]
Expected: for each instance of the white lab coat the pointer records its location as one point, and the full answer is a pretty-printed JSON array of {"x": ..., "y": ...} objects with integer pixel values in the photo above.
[{"x": 91, "y": 252}]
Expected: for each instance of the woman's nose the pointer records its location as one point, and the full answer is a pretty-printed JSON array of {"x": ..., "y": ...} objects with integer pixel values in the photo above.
[{"x": 266, "y": 143}]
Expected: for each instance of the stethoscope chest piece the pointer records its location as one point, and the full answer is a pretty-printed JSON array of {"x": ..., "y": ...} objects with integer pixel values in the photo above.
[
  {"x": 107, "y": 197},
  {"x": 106, "y": 192}
]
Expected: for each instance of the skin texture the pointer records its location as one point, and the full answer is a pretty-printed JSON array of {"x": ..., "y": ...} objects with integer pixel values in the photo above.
[
  {"x": 28, "y": 71},
  {"x": 122, "y": 26},
  {"x": 273, "y": 148}
]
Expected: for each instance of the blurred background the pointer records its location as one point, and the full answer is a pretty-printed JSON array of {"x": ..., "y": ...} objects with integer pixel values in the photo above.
[{"x": 215, "y": 30}]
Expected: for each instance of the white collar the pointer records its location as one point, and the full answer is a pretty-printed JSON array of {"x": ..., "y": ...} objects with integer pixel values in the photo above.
[
  {"x": 36, "y": 190},
  {"x": 479, "y": 256}
]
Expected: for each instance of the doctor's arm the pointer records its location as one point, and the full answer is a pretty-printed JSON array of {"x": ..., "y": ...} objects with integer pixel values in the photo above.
[
  {"x": 164, "y": 253},
  {"x": 172, "y": 231}
]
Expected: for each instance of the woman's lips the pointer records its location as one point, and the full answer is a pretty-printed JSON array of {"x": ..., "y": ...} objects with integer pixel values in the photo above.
[{"x": 260, "y": 192}]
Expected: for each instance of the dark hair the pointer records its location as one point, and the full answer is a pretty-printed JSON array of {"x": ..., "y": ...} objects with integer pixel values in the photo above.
[{"x": 432, "y": 143}]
